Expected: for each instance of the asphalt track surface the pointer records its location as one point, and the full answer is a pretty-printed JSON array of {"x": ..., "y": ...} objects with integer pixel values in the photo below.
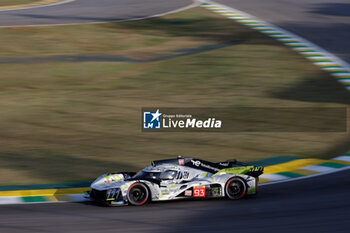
[
  {"x": 319, "y": 204},
  {"x": 89, "y": 11},
  {"x": 326, "y": 23},
  {"x": 323, "y": 22}
]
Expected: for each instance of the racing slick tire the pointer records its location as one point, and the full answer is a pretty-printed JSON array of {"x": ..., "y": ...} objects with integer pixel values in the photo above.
[
  {"x": 138, "y": 194},
  {"x": 235, "y": 188}
]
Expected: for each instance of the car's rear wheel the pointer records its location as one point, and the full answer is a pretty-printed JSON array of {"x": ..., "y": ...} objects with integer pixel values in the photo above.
[
  {"x": 235, "y": 188},
  {"x": 138, "y": 194}
]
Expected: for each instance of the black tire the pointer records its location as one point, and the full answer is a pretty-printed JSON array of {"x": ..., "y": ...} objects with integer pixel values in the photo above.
[
  {"x": 138, "y": 194},
  {"x": 235, "y": 188}
]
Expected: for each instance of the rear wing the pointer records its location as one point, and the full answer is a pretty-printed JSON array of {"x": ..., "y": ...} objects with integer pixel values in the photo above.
[
  {"x": 244, "y": 170},
  {"x": 209, "y": 166},
  {"x": 232, "y": 163}
]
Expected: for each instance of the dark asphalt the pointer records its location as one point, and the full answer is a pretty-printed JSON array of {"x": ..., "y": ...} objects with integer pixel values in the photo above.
[
  {"x": 319, "y": 204},
  {"x": 323, "y": 22},
  {"x": 89, "y": 11}
]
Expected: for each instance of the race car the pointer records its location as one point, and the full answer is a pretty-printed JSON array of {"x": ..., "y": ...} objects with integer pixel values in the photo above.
[{"x": 176, "y": 179}]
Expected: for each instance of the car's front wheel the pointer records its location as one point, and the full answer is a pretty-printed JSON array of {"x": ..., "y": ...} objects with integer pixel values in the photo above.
[
  {"x": 235, "y": 188},
  {"x": 138, "y": 194}
]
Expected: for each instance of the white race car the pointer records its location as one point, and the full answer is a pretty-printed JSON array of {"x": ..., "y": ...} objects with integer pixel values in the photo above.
[{"x": 175, "y": 179}]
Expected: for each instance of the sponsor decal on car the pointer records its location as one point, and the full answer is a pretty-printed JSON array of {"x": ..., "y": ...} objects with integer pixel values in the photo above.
[
  {"x": 181, "y": 162},
  {"x": 186, "y": 175},
  {"x": 188, "y": 193},
  {"x": 198, "y": 163}
]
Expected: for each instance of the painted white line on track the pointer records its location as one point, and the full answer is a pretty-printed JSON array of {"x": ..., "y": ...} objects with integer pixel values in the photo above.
[
  {"x": 274, "y": 177},
  {"x": 344, "y": 80},
  {"x": 10, "y": 200},
  {"x": 345, "y": 158},
  {"x": 342, "y": 74},
  {"x": 38, "y": 6},
  {"x": 317, "y": 168},
  {"x": 194, "y": 4}
]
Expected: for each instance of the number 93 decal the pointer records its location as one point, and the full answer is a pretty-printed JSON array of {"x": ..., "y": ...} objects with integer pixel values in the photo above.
[{"x": 198, "y": 191}]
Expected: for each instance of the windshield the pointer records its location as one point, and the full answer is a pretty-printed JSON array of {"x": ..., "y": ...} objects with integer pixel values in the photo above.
[
  {"x": 147, "y": 175},
  {"x": 167, "y": 175}
]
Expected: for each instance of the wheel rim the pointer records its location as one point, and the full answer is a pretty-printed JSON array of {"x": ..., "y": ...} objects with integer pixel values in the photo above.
[
  {"x": 138, "y": 194},
  {"x": 235, "y": 189}
]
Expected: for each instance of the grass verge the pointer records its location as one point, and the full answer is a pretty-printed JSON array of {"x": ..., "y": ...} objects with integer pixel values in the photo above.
[{"x": 65, "y": 122}]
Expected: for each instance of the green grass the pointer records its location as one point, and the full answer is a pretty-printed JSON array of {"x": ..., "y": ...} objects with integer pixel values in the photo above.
[
  {"x": 16, "y": 2},
  {"x": 65, "y": 122}
]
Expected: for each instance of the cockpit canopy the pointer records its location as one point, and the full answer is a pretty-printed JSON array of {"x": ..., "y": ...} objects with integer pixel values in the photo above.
[{"x": 157, "y": 175}]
